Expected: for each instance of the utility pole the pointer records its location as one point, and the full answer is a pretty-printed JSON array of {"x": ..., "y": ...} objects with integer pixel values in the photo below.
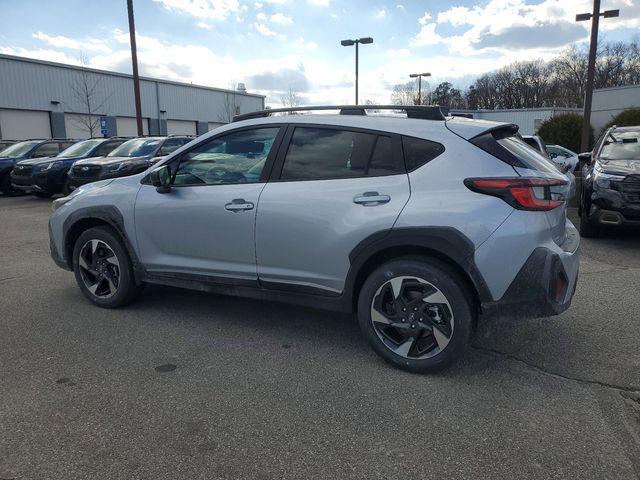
[
  {"x": 134, "y": 61},
  {"x": 419, "y": 75},
  {"x": 591, "y": 66}
]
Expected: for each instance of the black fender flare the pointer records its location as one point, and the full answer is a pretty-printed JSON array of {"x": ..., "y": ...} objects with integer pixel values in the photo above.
[{"x": 445, "y": 242}]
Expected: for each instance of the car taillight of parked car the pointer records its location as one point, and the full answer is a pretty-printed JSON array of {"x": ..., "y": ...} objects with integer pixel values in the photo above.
[{"x": 534, "y": 194}]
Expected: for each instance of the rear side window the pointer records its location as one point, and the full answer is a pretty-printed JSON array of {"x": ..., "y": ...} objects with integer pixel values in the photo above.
[
  {"x": 327, "y": 153},
  {"x": 417, "y": 151}
]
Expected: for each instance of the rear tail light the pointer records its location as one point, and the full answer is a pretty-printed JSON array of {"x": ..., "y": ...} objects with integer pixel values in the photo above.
[{"x": 534, "y": 194}]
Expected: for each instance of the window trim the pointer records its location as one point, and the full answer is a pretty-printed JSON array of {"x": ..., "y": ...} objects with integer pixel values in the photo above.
[
  {"x": 396, "y": 145},
  {"x": 268, "y": 165}
]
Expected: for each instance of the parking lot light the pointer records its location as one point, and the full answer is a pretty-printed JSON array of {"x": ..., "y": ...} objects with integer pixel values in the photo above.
[{"x": 348, "y": 43}]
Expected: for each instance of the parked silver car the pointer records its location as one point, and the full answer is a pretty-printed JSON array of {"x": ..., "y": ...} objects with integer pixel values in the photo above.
[{"x": 421, "y": 224}]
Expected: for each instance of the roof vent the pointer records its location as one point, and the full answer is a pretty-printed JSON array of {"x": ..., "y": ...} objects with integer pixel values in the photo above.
[{"x": 241, "y": 87}]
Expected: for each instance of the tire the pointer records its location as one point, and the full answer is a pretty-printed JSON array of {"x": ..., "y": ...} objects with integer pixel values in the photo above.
[
  {"x": 5, "y": 186},
  {"x": 103, "y": 268},
  {"x": 588, "y": 229},
  {"x": 416, "y": 279},
  {"x": 43, "y": 194}
]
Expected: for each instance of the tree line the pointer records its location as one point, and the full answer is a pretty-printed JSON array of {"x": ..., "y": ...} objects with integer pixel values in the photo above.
[{"x": 532, "y": 84}]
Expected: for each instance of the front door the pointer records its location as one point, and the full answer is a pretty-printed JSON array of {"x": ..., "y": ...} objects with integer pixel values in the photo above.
[{"x": 205, "y": 225}]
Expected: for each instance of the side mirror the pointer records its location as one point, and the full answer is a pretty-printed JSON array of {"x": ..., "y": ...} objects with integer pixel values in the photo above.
[
  {"x": 161, "y": 179},
  {"x": 585, "y": 157}
]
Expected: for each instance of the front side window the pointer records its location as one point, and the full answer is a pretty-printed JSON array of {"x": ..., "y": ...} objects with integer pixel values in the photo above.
[
  {"x": 170, "y": 145},
  {"x": 46, "y": 150},
  {"x": 79, "y": 149},
  {"x": 326, "y": 153},
  {"x": 237, "y": 157},
  {"x": 106, "y": 148},
  {"x": 137, "y": 147}
]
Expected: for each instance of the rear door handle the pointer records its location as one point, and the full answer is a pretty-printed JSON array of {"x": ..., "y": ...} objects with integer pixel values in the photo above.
[
  {"x": 371, "y": 199},
  {"x": 238, "y": 205}
]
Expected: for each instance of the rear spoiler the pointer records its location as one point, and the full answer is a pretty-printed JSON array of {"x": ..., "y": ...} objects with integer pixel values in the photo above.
[
  {"x": 499, "y": 131},
  {"x": 488, "y": 141}
]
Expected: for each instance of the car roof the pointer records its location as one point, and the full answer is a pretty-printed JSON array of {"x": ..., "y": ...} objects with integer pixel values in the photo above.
[{"x": 635, "y": 128}]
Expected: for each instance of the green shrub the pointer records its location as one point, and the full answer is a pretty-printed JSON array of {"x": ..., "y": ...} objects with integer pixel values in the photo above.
[
  {"x": 564, "y": 129},
  {"x": 627, "y": 118}
]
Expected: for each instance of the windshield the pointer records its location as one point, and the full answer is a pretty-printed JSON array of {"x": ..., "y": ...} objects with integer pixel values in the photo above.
[
  {"x": 18, "y": 149},
  {"x": 136, "y": 147},
  {"x": 529, "y": 155},
  {"x": 79, "y": 149},
  {"x": 621, "y": 146}
]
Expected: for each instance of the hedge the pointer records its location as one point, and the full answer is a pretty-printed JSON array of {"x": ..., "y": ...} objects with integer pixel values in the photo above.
[
  {"x": 627, "y": 118},
  {"x": 564, "y": 129}
]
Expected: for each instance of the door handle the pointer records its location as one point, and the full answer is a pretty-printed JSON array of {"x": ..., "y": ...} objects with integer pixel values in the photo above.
[
  {"x": 371, "y": 199},
  {"x": 238, "y": 205}
]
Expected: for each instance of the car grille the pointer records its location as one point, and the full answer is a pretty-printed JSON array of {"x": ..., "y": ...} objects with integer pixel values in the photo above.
[
  {"x": 23, "y": 170},
  {"x": 86, "y": 171},
  {"x": 630, "y": 188}
]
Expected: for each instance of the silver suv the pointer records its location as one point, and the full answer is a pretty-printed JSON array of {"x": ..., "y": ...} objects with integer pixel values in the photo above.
[{"x": 419, "y": 223}]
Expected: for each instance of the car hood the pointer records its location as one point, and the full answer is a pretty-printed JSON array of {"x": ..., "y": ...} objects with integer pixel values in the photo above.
[
  {"x": 620, "y": 167},
  {"x": 109, "y": 160},
  {"x": 37, "y": 161}
]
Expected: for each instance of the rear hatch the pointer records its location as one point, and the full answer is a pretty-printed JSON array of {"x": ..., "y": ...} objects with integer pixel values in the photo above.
[{"x": 503, "y": 141}]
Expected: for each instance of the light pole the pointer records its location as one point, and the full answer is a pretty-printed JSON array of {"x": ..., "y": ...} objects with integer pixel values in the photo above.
[
  {"x": 591, "y": 67},
  {"x": 348, "y": 43},
  {"x": 134, "y": 62},
  {"x": 419, "y": 75}
]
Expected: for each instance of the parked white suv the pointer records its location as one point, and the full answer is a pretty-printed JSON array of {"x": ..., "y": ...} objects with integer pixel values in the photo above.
[{"x": 421, "y": 224}]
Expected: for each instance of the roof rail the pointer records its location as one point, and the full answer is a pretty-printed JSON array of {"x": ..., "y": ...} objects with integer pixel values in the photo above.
[{"x": 424, "y": 112}]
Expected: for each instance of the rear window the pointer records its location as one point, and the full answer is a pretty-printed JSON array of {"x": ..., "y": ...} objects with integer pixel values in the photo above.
[
  {"x": 529, "y": 156},
  {"x": 417, "y": 151}
]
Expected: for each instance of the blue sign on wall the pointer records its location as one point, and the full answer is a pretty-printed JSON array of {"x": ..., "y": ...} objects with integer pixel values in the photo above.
[{"x": 103, "y": 125}]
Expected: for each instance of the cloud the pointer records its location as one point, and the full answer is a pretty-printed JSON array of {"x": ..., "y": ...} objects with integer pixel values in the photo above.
[
  {"x": 427, "y": 34},
  {"x": 261, "y": 16},
  {"x": 204, "y": 25},
  {"x": 551, "y": 35},
  {"x": 279, "y": 80},
  {"x": 262, "y": 29},
  {"x": 281, "y": 19},
  {"x": 89, "y": 44},
  {"x": 320, "y": 3},
  {"x": 209, "y": 9},
  {"x": 380, "y": 14},
  {"x": 302, "y": 43},
  {"x": 401, "y": 52}
]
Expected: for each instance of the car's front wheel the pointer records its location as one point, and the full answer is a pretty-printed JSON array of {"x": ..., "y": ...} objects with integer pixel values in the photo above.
[
  {"x": 103, "y": 268},
  {"x": 416, "y": 313}
]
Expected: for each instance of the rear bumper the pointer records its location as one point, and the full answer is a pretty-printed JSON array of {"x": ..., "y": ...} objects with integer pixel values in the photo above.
[{"x": 545, "y": 284}]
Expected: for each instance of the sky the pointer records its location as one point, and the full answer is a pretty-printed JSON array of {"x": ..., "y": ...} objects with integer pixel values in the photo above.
[{"x": 276, "y": 45}]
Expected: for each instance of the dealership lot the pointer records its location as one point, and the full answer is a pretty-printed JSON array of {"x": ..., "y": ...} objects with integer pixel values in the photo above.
[{"x": 263, "y": 390}]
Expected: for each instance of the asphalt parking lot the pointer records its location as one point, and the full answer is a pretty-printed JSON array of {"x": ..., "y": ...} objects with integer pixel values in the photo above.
[{"x": 265, "y": 391}]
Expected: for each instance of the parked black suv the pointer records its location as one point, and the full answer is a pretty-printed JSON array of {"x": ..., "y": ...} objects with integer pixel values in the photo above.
[
  {"x": 133, "y": 156},
  {"x": 611, "y": 187},
  {"x": 25, "y": 150},
  {"x": 48, "y": 176}
]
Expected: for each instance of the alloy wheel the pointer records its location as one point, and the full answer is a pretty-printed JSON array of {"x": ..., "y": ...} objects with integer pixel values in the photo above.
[
  {"x": 99, "y": 268},
  {"x": 412, "y": 317}
]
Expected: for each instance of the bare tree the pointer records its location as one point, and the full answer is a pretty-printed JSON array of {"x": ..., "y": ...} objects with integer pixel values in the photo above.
[
  {"x": 90, "y": 98},
  {"x": 230, "y": 107},
  {"x": 290, "y": 99}
]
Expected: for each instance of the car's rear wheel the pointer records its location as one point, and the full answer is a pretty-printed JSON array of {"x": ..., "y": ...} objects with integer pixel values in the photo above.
[
  {"x": 103, "y": 268},
  {"x": 416, "y": 313}
]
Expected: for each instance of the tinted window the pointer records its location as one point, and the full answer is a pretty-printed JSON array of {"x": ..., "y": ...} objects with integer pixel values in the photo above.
[
  {"x": 531, "y": 142},
  {"x": 531, "y": 157},
  {"x": 18, "y": 149},
  {"x": 106, "y": 148},
  {"x": 238, "y": 157},
  {"x": 137, "y": 147},
  {"x": 79, "y": 149},
  {"x": 46, "y": 150},
  {"x": 417, "y": 151},
  {"x": 323, "y": 153}
]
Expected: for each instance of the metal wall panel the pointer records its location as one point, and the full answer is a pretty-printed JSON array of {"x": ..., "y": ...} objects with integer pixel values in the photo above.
[{"x": 608, "y": 102}]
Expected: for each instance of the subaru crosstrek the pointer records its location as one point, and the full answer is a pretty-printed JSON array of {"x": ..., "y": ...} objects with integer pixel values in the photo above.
[
  {"x": 420, "y": 224},
  {"x": 133, "y": 156},
  {"x": 610, "y": 193},
  {"x": 47, "y": 176}
]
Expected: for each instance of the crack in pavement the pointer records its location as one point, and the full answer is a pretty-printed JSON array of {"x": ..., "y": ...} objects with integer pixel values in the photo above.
[
  {"x": 6, "y": 279},
  {"x": 620, "y": 388}
]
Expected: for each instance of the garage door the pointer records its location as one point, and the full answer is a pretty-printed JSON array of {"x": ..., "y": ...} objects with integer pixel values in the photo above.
[
  {"x": 81, "y": 126},
  {"x": 181, "y": 127},
  {"x": 126, "y": 126},
  {"x": 213, "y": 125},
  {"x": 21, "y": 124}
]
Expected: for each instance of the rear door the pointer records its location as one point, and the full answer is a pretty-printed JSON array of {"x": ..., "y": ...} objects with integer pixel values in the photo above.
[{"x": 331, "y": 188}]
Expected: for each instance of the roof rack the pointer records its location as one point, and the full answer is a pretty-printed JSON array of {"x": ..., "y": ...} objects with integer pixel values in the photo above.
[{"x": 424, "y": 112}]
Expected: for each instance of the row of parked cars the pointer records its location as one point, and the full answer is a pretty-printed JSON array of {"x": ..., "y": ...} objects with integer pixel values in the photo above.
[{"x": 47, "y": 167}]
